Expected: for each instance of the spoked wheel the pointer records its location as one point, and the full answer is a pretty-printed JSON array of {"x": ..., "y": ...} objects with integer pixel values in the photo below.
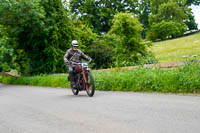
[
  {"x": 75, "y": 91},
  {"x": 90, "y": 84}
]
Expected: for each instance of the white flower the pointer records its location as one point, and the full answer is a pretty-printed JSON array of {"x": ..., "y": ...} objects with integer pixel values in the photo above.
[
  {"x": 185, "y": 56},
  {"x": 194, "y": 55}
]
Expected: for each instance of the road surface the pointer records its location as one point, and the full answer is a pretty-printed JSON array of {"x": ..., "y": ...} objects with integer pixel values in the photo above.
[{"x": 28, "y": 109}]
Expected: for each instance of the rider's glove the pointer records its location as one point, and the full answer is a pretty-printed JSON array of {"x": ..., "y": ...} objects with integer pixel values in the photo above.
[
  {"x": 90, "y": 60},
  {"x": 66, "y": 62}
]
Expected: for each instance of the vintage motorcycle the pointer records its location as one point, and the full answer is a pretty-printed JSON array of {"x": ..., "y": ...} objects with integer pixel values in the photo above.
[{"x": 84, "y": 80}]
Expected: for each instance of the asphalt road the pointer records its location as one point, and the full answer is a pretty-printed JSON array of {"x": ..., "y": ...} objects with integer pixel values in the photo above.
[{"x": 27, "y": 109}]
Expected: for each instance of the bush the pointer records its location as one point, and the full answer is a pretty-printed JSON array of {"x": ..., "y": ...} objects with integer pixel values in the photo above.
[
  {"x": 101, "y": 53},
  {"x": 125, "y": 38}
]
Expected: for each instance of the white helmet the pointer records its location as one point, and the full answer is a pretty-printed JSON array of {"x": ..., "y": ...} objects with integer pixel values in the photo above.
[{"x": 75, "y": 43}]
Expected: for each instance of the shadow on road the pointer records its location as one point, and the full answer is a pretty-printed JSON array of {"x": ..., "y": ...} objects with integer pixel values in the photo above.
[{"x": 73, "y": 96}]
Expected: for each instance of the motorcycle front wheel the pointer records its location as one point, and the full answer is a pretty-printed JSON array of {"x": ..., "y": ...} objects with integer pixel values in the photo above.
[
  {"x": 75, "y": 91},
  {"x": 90, "y": 87}
]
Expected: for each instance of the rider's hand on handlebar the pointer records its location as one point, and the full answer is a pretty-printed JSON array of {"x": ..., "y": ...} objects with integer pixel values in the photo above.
[
  {"x": 90, "y": 61},
  {"x": 71, "y": 63}
]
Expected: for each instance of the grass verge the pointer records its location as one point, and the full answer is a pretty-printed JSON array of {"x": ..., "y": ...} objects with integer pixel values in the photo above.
[
  {"x": 185, "y": 79},
  {"x": 42, "y": 80}
]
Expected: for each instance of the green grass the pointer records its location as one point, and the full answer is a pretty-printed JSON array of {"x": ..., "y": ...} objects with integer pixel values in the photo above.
[
  {"x": 174, "y": 50},
  {"x": 42, "y": 80},
  {"x": 185, "y": 79},
  {"x": 182, "y": 80}
]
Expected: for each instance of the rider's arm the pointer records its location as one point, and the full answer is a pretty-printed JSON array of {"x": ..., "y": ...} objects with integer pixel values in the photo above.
[
  {"x": 65, "y": 58},
  {"x": 85, "y": 57}
]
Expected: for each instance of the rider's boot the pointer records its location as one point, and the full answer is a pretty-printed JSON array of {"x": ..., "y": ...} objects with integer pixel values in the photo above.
[{"x": 73, "y": 85}]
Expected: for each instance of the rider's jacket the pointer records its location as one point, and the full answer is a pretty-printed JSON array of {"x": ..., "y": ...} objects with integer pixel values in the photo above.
[{"x": 75, "y": 56}]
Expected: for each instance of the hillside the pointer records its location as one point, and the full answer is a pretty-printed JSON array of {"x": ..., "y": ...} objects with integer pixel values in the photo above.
[{"x": 177, "y": 49}]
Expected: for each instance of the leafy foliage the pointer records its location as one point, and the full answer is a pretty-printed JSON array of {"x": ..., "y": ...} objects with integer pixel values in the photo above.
[
  {"x": 42, "y": 31},
  {"x": 192, "y": 25},
  {"x": 7, "y": 55},
  {"x": 84, "y": 35},
  {"x": 98, "y": 14},
  {"x": 144, "y": 13},
  {"x": 195, "y": 2},
  {"x": 167, "y": 19},
  {"x": 126, "y": 31},
  {"x": 164, "y": 30},
  {"x": 101, "y": 53}
]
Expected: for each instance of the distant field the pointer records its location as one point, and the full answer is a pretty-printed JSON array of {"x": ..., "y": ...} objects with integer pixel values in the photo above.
[{"x": 174, "y": 50}]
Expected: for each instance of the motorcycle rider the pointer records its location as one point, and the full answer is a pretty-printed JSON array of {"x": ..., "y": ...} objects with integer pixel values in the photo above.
[{"x": 74, "y": 55}]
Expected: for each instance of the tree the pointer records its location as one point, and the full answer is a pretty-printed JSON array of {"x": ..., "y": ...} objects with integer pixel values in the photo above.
[
  {"x": 43, "y": 32},
  {"x": 167, "y": 15},
  {"x": 98, "y": 14},
  {"x": 194, "y": 2},
  {"x": 191, "y": 24},
  {"x": 125, "y": 33},
  {"x": 18, "y": 18},
  {"x": 166, "y": 29},
  {"x": 7, "y": 55},
  {"x": 144, "y": 13},
  {"x": 84, "y": 35}
]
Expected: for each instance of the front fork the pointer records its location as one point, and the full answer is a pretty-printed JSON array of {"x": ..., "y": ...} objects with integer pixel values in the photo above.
[{"x": 85, "y": 86}]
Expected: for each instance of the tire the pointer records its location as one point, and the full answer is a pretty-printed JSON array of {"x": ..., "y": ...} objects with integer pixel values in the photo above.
[
  {"x": 90, "y": 84},
  {"x": 75, "y": 91}
]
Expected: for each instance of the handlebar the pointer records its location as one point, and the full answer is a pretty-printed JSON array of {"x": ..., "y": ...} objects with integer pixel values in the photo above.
[{"x": 76, "y": 63}]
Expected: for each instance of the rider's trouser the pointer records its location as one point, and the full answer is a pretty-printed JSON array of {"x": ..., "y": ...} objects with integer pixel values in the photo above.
[{"x": 71, "y": 74}]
